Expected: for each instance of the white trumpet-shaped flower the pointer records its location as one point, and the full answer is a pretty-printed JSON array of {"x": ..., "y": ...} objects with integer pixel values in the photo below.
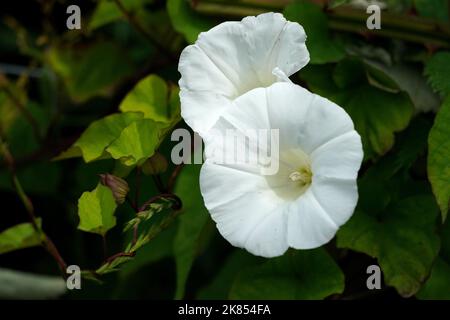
[
  {"x": 233, "y": 58},
  {"x": 312, "y": 193}
]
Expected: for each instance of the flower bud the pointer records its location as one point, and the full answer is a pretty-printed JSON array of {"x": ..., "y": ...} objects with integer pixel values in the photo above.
[
  {"x": 118, "y": 186},
  {"x": 155, "y": 164}
]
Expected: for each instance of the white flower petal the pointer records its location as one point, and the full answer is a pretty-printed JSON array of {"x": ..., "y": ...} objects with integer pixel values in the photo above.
[
  {"x": 235, "y": 57},
  {"x": 200, "y": 108},
  {"x": 201, "y": 74},
  {"x": 340, "y": 157},
  {"x": 268, "y": 238},
  {"x": 324, "y": 121},
  {"x": 249, "y": 111},
  {"x": 239, "y": 203},
  {"x": 266, "y": 214},
  {"x": 312, "y": 120},
  {"x": 309, "y": 226},
  {"x": 338, "y": 197}
]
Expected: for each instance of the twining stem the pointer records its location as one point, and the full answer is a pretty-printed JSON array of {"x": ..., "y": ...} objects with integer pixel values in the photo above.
[
  {"x": 173, "y": 177},
  {"x": 152, "y": 233},
  {"x": 119, "y": 255},
  {"x": 47, "y": 243},
  {"x": 405, "y": 27},
  {"x": 159, "y": 183},
  {"x": 137, "y": 194},
  {"x": 177, "y": 201},
  {"x": 105, "y": 246},
  {"x": 132, "y": 204}
]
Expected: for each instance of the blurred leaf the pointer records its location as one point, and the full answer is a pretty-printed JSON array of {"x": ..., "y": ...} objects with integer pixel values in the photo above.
[
  {"x": 434, "y": 9},
  {"x": 398, "y": 6},
  {"x": 338, "y": 3},
  {"x": 107, "y": 11},
  {"x": 21, "y": 137},
  {"x": 8, "y": 112},
  {"x": 28, "y": 286},
  {"x": 437, "y": 286},
  {"x": 402, "y": 238},
  {"x": 137, "y": 142},
  {"x": 409, "y": 80},
  {"x": 220, "y": 287},
  {"x": 20, "y": 134},
  {"x": 388, "y": 180},
  {"x": 186, "y": 21},
  {"x": 96, "y": 210},
  {"x": 306, "y": 274},
  {"x": 391, "y": 76},
  {"x": 40, "y": 178},
  {"x": 190, "y": 224},
  {"x": 89, "y": 71},
  {"x": 377, "y": 114},
  {"x": 410, "y": 144},
  {"x": 439, "y": 157},
  {"x": 20, "y": 236},
  {"x": 99, "y": 135},
  {"x": 155, "y": 99},
  {"x": 437, "y": 69},
  {"x": 321, "y": 46}
]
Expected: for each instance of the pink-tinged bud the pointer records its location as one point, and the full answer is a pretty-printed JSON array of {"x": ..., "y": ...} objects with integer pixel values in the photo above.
[
  {"x": 156, "y": 164},
  {"x": 118, "y": 186}
]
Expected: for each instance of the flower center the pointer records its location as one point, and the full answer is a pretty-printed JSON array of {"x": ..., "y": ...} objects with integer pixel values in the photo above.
[
  {"x": 302, "y": 176},
  {"x": 294, "y": 175}
]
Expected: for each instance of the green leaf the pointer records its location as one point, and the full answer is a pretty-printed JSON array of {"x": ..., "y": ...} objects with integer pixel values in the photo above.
[
  {"x": 435, "y": 9},
  {"x": 402, "y": 237},
  {"x": 107, "y": 11},
  {"x": 220, "y": 287},
  {"x": 90, "y": 70},
  {"x": 437, "y": 68},
  {"x": 21, "y": 136},
  {"x": 386, "y": 73},
  {"x": 96, "y": 210},
  {"x": 439, "y": 157},
  {"x": 29, "y": 286},
  {"x": 99, "y": 135},
  {"x": 191, "y": 224},
  {"x": 409, "y": 80},
  {"x": 154, "y": 99},
  {"x": 321, "y": 46},
  {"x": 20, "y": 236},
  {"x": 410, "y": 144},
  {"x": 437, "y": 286},
  {"x": 186, "y": 21},
  {"x": 377, "y": 114},
  {"x": 137, "y": 142},
  {"x": 19, "y": 133},
  {"x": 308, "y": 274}
]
